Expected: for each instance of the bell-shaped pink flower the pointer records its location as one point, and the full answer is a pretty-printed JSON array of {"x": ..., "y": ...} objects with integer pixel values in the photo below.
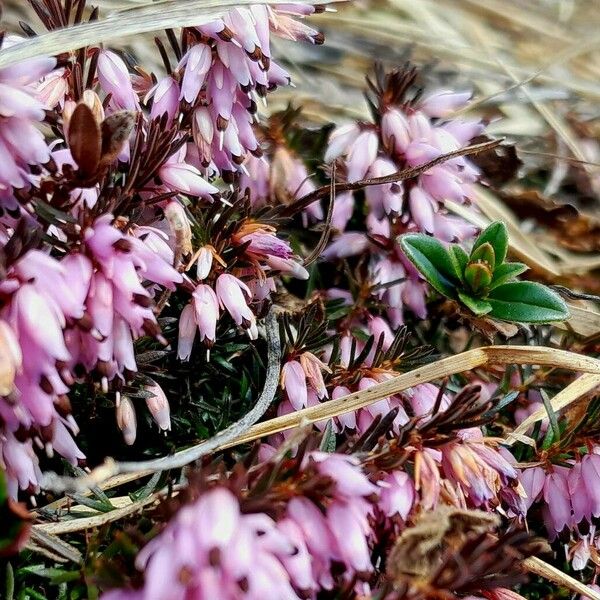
[
  {"x": 293, "y": 381},
  {"x": 206, "y": 313},
  {"x": 115, "y": 79},
  {"x": 232, "y": 295}
]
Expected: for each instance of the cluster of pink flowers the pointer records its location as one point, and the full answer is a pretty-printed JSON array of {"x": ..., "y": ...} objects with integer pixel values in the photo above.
[
  {"x": 22, "y": 144},
  {"x": 406, "y": 133},
  {"x": 214, "y": 549},
  {"x": 571, "y": 493},
  {"x": 73, "y": 316},
  {"x": 225, "y": 70}
]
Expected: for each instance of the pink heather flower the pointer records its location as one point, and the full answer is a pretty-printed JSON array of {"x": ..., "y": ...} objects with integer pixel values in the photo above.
[
  {"x": 179, "y": 176},
  {"x": 422, "y": 399},
  {"x": 293, "y": 381},
  {"x": 206, "y": 313},
  {"x": 590, "y": 481},
  {"x": 53, "y": 88},
  {"x": 165, "y": 99},
  {"x": 20, "y": 464},
  {"x": 158, "y": 405},
  {"x": 187, "y": 332},
  {"x": 532, "y": 480},
  {"x": 232, "y": 295},
  {"x": 557, "y": 498},
  {"x": 126, "y": 420},
  {"x": 254, "y": 180},
  {"x": 345, "y": 245},
  {"x": 345, "y": 471},
  {"x": 387, "y": 198},
  {"x": 480, "y": 471},
  {"x": 397, "y": 494},
  {"x": 444, "y": 103},
  {"x": 115, "y": 80},
  {"x": 195, "y": 64},
  {"x": 21, "y": 143}
]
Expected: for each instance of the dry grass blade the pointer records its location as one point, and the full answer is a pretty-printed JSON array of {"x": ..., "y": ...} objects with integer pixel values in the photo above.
[
  {"x": 95, "y": 521},
  {"x": 472, "y": 359},
  {"x": 53, "y": 547},
  {"x": 110, "y": 468},
  {"x": 543, "y": 569},
  {"x": 582, "y": 385},
  {"x": 466, "y": 361},
  {"x": 151, "y": 16}
]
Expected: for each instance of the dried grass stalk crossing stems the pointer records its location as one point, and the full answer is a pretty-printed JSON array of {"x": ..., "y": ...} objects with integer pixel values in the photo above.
[
  {"x": 132, "y": 21},
  {"x": 582, "y": 385},
  {"x": 543, "y": 569},
  {"x": 499, "y": 355},
  {"x": 241, "y": 432},
  {"x": 111, "y": 468}
]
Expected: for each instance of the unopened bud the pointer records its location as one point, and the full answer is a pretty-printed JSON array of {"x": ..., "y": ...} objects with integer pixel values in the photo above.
[
  {"x": 478, "y": 276},
  {"x": 484, "y": 253},
  {"x": 126, "y": 420},
  {"x": 158, "y": 405},
  {"x": 204, "y": 263}
]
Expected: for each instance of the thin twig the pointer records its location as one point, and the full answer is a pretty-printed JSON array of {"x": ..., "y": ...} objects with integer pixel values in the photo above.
[
  {"x": 314, "y": 255},
  {"x": 110, "y": 468},
  {"x": 409, "y": 173}
]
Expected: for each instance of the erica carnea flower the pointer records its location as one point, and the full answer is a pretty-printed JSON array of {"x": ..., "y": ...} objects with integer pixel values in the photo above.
[
  {"x": 215, "y": 546},
  {"x": 22, "y": 144}
]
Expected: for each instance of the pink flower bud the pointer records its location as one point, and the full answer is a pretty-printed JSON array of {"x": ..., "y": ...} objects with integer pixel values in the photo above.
[
  {"x": 158, "y": 405},
  {"x": 204, "y": 263},
  {"x": 395, "y": 131},
  {"x": 126, "y": 420},
  {"x": 187, "y": 332},
  {"x": 185, "y": 178},
  {"x": 293, "y": 381},
  {"x": 362, "y": 154},
  {"x": 443, "y": 103}
]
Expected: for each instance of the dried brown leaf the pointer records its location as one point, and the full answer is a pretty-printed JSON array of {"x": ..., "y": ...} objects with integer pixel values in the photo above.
[{"x": 84, "y": 140}]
